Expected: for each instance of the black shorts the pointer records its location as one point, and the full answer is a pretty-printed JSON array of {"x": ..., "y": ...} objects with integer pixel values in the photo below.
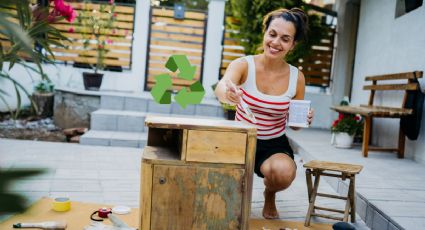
[{"x": 266, "y": 148}]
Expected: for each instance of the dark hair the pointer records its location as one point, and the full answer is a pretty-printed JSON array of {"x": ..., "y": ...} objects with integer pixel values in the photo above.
[{"x": 295, "y": 15}]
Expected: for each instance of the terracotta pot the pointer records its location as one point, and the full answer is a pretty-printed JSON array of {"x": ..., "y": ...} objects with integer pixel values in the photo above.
[
  {"x": 92, "y": 81},
  {"x": 342, "y": 140}
]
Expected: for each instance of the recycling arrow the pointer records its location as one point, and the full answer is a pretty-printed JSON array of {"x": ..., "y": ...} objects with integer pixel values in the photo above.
[
  {"x": 184, "y": 97},
  {"x": 159, "y": 90},
  {"x": 180, "y": 62}
]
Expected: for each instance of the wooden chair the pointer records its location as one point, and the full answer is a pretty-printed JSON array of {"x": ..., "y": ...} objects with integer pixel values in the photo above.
[
  {"x": 371, "y": 111},
  {"x": 317, "y": 169}
]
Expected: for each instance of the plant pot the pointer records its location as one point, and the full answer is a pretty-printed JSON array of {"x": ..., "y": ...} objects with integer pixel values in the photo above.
[
  {"x": 44, "y": 103},
  {"x": 230, "y": 114},
  {"x": 342, "y": 140},
  {"x": 92, "y": 81}
]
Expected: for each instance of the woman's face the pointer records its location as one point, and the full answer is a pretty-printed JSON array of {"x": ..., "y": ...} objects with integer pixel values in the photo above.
[{"x": 279, "y": 38}]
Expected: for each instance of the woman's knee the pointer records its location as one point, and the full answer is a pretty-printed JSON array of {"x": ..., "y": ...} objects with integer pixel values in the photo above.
[{"x": 279, "y": 171}]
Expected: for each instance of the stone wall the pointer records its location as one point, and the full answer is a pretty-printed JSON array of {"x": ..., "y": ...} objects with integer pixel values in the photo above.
[{"x": 72, "y": 109}]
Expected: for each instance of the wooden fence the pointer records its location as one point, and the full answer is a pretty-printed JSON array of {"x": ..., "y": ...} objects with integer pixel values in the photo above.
[
  {"x": 168, "y": 36},
  {"x": 120, "y": 38},
  {"x": 316, "y": 67}
]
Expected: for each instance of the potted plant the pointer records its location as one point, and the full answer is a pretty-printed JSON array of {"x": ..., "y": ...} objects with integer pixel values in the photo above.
[
  {"x": 94, "y": 26},
  {"x": 28, "y": 34},
  {"x": 345, "y": 128},
  {"x": 43, "y": 98}
]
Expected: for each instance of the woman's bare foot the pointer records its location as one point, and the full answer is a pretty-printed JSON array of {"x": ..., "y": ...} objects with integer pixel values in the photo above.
[{"x": 269, "y": 209}]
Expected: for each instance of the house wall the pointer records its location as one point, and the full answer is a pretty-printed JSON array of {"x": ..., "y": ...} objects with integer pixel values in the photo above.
[{"x": 386, "y": 44}]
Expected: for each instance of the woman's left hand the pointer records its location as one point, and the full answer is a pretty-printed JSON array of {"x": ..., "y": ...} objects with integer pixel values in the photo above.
[{"x": 310, "y": 116}]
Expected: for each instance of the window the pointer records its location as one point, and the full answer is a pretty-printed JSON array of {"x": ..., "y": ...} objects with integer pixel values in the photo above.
[{"x": 405, "y": 6}]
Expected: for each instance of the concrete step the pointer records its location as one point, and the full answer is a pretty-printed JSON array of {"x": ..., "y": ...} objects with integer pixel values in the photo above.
[
  {"x": 117, "y": 120},
  {"x": 114, "y": 138}
]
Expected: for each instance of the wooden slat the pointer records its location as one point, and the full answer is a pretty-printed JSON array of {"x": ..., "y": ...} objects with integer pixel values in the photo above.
[
  {"x": 170, "y": 13},
  {"x": 91, "y": 60},
  {"x": 377, "y": 111},
  {"x": 317, "y": 73},
  {"x": 331, "y": 196},
  {"x": 170, "y": 52},
  {"x": 327, "y": 216},
  {"x": 118, "y": 9},
  {"x": 329, "y": 209},
  {"x": 80, "y": 45},
  {"x": 333, "y": 166},
  {"x": 178, "y": 81},
  {"x": 121, "y": 29},
  {"x": 195, "y": 23},
  {"x": 102, "y": 37},
  {"x": 164, "y": 59},
  {"x": 408, "y": 75},
  {"x": 178, "y": 29},
  {"x": 410, "y": 86},
  {"x": 92, "y": 53},
  {"x": 177, "y": 37},
  {"x": 180, "y": 44}
]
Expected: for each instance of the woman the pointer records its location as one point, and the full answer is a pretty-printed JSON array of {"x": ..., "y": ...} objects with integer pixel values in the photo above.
[{"x": 266, "y": 83}]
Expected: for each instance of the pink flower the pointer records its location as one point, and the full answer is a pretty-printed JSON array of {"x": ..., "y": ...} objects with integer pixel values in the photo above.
[
  {"x": 61, "y": 9},
  {"x": 71, "y": 30},
  {"x": 341, "y": 116},
  {"x": 114, "y": 31},
  {"x": 115, "y": 15},
  {"x": 100, "y": 46},
  {"x": 111, "y": 2},
  {"x": 109, "y": 41},
  {"x": 357, "y": 118}
]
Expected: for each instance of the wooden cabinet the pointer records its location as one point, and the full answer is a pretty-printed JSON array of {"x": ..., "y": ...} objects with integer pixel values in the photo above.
[{"x": 196, "y": 174}]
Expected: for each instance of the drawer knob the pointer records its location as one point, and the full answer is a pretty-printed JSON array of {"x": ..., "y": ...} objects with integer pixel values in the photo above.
[{"x": 162, "y": 180}]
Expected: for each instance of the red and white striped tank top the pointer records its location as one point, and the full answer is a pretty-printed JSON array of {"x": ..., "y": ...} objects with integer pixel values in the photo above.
[{"x": 270, "y": 111}]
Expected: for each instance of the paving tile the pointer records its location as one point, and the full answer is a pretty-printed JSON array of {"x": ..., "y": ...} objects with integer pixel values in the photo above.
[
  {"x": 361, "y": 208},
  {"x": 379, "y": 222}
]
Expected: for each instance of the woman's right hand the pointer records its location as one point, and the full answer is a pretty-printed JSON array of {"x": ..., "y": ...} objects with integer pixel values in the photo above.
[{"x": 233, "y": 94}]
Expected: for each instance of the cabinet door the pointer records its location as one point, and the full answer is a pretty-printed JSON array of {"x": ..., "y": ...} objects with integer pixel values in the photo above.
[{"x": 189, "y": 197}]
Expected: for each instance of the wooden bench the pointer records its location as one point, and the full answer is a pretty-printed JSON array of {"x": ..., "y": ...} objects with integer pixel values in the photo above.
[
  {"x": 371, "y": 111},
  {"x": 317, "y": 169}
]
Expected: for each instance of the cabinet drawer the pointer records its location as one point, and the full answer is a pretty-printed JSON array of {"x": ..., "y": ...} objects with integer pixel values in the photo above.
[{"x": 216, "y": 147}]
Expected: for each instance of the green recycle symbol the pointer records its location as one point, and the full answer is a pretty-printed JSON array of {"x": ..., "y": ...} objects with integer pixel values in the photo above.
[{"x": 160, "y": 91}]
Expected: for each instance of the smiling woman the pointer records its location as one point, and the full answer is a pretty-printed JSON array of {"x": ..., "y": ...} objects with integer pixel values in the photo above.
[{"x": 265, "y": 83}]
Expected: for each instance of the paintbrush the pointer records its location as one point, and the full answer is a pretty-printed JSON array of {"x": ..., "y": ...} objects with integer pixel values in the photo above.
[
  {"x": 49, "y": 225},
  {"x": 244, "y": 106}
]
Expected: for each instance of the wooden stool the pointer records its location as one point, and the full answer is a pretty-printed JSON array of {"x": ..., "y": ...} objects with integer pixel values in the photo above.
[{"x": 318, "y": 168}]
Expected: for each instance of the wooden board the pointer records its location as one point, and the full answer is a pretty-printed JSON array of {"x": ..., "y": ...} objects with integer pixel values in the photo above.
[
  {"x": 334, "y": 166},
  {"x": 216, "y": 147},
  {"x": 196, "y": 198},
  {"x": 197, "y": 123},
  {"x": 377, "y": 111}
]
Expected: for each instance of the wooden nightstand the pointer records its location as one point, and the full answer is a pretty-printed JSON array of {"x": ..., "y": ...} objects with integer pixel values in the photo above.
[{"x": 197, "y": 174}]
